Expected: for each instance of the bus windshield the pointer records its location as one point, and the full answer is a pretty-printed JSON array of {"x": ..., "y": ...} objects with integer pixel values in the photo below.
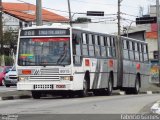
[{"x": 44, "y": 51}]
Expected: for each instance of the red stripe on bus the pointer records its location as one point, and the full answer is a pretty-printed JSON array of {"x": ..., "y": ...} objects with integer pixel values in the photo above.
[{"x": 50, "y": 39}]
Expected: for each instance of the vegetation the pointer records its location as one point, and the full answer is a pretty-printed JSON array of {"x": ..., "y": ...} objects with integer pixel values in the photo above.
[
  {"x": 9, "y": 42},
  {"x": 8, "y": 60},
  {"x": 81, "y": 20},
  {"x": 10, "y": 38}
]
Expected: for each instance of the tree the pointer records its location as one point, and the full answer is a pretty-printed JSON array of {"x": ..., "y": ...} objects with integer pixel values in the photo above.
[
  {"x": 10, "y": 38},
  {"x": 82, "y": 20}
]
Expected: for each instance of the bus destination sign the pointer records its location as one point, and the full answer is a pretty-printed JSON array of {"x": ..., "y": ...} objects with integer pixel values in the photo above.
[{"x": 44, "y": 32}]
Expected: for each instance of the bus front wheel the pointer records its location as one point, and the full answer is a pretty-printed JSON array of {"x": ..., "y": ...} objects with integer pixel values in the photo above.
[
  {"x": 36, "y": 95},
  {"x": 84, "y": 92}
]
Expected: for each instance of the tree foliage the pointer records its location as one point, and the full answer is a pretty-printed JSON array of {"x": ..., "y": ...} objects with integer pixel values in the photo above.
[
  {"x": 10, "y": 38},
  {"x": 82, "y": 20}
]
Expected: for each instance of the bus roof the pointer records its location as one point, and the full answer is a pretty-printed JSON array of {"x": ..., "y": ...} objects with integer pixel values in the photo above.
[
  {"x": 55, "y": 25},
  {"x": 132, "y": 39},
  {"x": 65, "y": 26},
  {"x": 89, "y": 31}
]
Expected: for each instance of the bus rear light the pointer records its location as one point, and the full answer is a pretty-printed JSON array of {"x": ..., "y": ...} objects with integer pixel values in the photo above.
[
  {"x": 26, "y": 72},
  {"x": 87, "y": 62}
]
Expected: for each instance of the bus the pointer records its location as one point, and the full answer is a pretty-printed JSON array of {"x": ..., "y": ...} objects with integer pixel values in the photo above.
[{"x": 68, "y": 61}]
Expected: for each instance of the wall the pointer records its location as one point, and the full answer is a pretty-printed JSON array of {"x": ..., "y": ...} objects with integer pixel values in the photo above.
[{"x": 152, "y": 46}]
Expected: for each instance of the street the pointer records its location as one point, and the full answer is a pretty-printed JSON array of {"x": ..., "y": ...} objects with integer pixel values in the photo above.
[
  {"x": 88, "y": 108},
  {"x": 90, "y": 105},
  {"x": 5, "y": 89}
]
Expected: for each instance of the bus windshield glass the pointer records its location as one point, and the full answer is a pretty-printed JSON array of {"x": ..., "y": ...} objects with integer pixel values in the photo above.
[{"x": 44, "y": 51}]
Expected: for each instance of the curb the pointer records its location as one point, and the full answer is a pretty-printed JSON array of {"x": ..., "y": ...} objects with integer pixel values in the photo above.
[{"x": 15, "y": 97}]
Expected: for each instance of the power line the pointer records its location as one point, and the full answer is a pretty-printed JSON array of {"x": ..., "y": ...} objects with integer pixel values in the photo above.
[
  {"x": 129, "y": 14},
  {"x": 93, "y": 2},
  {"x": 43, "y": 7}
]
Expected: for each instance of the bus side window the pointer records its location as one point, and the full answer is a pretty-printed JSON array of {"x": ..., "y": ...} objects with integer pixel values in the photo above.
[
  {"x": 125, "y": 50},
  {"x": 136, "y": 51},
  {"x": 97, "y": 47},
  {"x": 140, "y": 51},
  {"x": 131, "y": 50},
  {"x": 103, "y": 48},
  {"x": 145, "y": 53},
  {"x": 113, "y": 47},
  {"x": 76, "y": 49},
  {"x": 90, "y": 45},
  {"x": 109, "y": 49},
  {"x": 84, "y": 46}
]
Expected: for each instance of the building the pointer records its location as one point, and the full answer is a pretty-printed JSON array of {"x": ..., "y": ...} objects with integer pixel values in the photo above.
[
  {"x": 17, "y": 15},
  {"x": 21, "y": 15},
  {"x": 149, "y": 24}
]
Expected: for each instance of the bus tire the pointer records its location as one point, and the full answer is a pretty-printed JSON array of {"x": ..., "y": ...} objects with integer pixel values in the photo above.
[
  {"x": 110, "y": 87},
  {"x": 84, "y": 92},
  {"x": 137, "y": 86},
  {"x": 36, "y": 95},
  {"x": 71, "y": 94}
]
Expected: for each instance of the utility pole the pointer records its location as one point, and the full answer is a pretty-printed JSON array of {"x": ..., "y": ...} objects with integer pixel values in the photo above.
[
  {"x": 119, "y": 17},
  {"x": 119, "y": 50},
  {"x": 1, "y": 28},
  {"x": 158, "y": 32},
  {"x": 1, "y": 35},
  {"x": 38, "y": 12},
  {"x": 70, "y": 17}
]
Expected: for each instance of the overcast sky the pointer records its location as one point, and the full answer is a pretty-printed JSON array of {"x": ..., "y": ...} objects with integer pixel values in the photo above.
[{"x": 129, "y": 7}]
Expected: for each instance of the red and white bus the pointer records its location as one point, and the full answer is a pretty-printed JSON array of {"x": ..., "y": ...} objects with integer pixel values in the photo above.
[{"x": 71, "y": 61}]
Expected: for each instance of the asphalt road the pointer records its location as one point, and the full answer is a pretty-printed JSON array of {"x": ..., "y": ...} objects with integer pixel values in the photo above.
[
  {"x": 49, "y": 108},
  {"x": 89, "y": 105},
  {"x": 6, "y": 89}
]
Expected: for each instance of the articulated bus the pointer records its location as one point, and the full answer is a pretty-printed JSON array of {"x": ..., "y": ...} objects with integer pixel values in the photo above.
[{"x": 68, "y": 61}]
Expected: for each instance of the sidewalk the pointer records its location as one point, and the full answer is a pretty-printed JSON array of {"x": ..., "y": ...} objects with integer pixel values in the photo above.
[
  {"x": 156, "y": 108},
  {"x": 10, "y": 95}
]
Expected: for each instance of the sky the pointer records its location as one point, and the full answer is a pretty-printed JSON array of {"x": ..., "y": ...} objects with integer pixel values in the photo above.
[{"x": 129, "y": 8}]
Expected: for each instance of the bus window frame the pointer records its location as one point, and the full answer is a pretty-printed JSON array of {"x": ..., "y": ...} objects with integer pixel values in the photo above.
[
  {"x": 78, "y": 38},
  {"x": 125, "y": 48},
  {"x": 84, "y": 45}
]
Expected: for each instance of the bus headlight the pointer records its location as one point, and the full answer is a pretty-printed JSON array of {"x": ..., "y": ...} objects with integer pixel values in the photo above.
[
  {"x": 23, "y": 78},
  {"x": 70, "y": 78}
]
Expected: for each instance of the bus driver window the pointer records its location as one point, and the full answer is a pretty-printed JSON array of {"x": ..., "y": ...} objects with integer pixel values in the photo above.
[{"x": 76, "y": 49}]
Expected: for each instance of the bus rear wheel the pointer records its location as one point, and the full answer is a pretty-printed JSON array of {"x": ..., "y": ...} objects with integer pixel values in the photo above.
[
  {"x": 136, "y": 89},
  {"x": 110, "y": 87},
  {"x": 36, "y": 95},
  {"x": 84, "y": 92}
]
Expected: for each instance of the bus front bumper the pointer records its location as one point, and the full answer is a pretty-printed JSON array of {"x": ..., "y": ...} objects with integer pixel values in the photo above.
[{"x": 44, "y": 86}]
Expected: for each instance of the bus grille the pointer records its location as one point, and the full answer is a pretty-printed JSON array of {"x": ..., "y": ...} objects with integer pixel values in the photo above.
[
  {"x": 47, "y": 78},
  {"x": 49, "y": 71}
]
